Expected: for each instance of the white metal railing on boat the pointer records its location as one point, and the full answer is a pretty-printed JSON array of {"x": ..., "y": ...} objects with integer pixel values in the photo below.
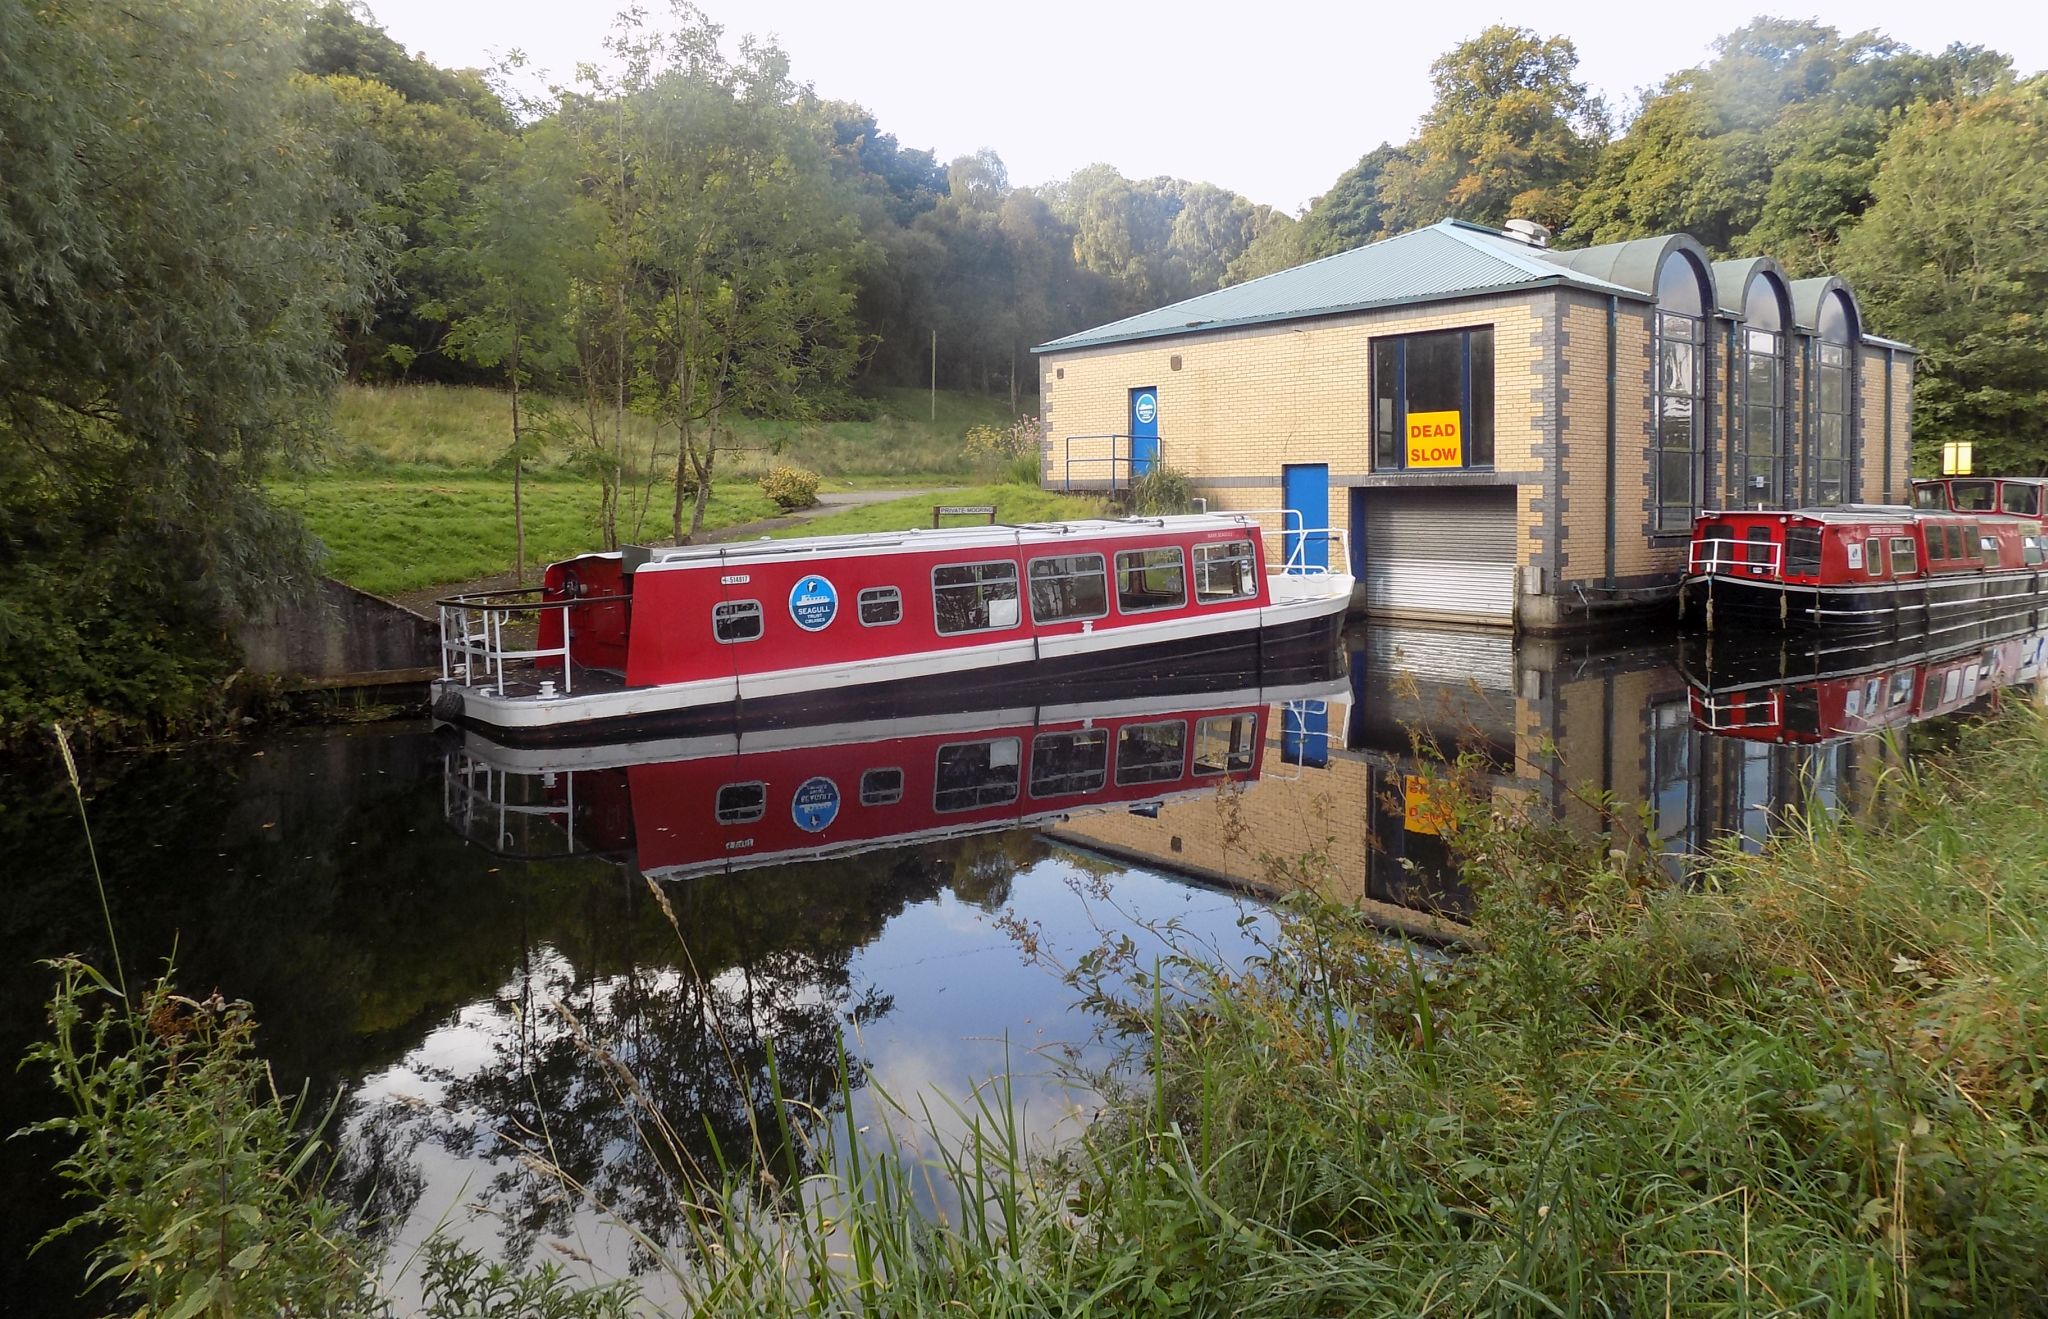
[
  {"x": 500, "y": 809},
  {"x": 1295, "y": 539},
  {"x": 1727, "y": 714},
  {"x": 473, "y": 648},
  {"x": 1708, "y": 556}
]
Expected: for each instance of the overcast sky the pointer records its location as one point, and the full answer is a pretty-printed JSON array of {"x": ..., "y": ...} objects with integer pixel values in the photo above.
[{"x": 1273, "y": 101}]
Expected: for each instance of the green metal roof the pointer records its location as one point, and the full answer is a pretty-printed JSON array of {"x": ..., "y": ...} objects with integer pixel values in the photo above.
[{"x": 1449, "y": 259}]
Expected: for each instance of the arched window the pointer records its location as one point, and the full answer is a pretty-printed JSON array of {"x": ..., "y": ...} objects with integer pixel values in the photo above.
[
  {"x": 1757, "y": 434},
  {"x": 1832, "y": 441},
  {"x": 1680, "y": 449}
]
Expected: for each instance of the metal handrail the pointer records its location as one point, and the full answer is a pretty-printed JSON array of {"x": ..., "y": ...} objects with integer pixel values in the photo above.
[
  {"x": 1126, "y": 461},
  {"x": 476, "y": 793},
  {"x": 473, "y": 634},
  {"x": 1294, "y": 562},
  {"x": 1720, "y": 712},
  {"x": 1715, "y": 562}
]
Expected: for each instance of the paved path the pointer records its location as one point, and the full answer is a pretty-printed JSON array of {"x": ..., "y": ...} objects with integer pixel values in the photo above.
[{"x": 838, "y": 501}]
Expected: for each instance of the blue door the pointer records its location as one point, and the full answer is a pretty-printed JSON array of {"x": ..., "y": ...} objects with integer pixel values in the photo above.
[
  {"x": 1305, "y": 734},
  {"x": 1305, "y": 493},
  {"x": 1144, "y": 430}
]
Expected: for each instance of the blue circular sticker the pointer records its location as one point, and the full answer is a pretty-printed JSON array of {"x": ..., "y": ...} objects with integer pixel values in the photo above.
[
  {"x": 813, "y": 603},
  {"x": 1147, "y": 409},
  {"x": 816, "y": 804}
]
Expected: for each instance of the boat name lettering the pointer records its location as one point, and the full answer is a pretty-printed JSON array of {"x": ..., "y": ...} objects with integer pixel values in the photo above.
[
  {"x": 739, "y": 844},
  {"x": 735, "y": 579},
  {"x": 815, "y": 805},
  {"x": 813, "y": 603}
]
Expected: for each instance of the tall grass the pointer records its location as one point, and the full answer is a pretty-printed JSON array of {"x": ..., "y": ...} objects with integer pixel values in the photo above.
[{"x": 446, "y": 428}]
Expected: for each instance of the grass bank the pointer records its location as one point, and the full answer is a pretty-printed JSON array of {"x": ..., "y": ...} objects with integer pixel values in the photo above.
[
  {"x": 414, "y": 494},
  {"x": 390, "y": 535},
  {"x": 450, "y": 428},
  {"x": 1817, "y": 1082},
  {"x": 1012, "y": 502}
]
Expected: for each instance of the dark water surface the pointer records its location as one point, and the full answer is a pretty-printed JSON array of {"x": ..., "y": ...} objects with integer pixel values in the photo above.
[{"x": 416, "y": 917}]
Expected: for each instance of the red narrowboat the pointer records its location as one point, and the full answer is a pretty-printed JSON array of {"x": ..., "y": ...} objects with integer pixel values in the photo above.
[
  {"x": 685, "y": 638},
  {"x": 1863, "y": 568},
  {"x": 683, "y": 807}
]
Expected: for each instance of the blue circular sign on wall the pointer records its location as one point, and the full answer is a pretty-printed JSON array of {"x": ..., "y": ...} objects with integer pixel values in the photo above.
[
  {"x": 816, "y": 804},
  {"x": 813, "y": 603},
  {"x": 1147, "y": 409}
]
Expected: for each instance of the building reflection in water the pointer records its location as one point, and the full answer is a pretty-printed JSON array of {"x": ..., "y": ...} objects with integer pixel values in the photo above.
[{"x": 1695, "y": 742}]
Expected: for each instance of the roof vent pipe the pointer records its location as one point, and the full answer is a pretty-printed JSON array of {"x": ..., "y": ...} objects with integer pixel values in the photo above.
[{"x": 1528, "y": 231}]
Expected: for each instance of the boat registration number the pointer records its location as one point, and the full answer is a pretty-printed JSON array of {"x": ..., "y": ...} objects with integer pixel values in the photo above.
[{"x": 735, "y": 579}]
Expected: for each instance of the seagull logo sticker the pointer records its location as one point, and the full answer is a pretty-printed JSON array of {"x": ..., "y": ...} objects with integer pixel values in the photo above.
[
  {"x": 816, "y": 805},
  {"x": 813, "y": 603}
]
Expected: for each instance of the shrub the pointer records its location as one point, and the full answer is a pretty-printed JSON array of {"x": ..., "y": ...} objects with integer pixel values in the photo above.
[
  {"x": 1003, "y": 445},
  {"x": 791, "y": 487},
  {"x": 1162, "y": 491}
]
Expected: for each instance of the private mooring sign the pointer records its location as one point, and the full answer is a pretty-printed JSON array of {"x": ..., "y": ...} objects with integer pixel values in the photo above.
[{"x": 1435, "y": 439}]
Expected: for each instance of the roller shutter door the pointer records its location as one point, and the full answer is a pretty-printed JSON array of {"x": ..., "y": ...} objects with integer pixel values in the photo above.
[{"x": 1445, "y": 554}]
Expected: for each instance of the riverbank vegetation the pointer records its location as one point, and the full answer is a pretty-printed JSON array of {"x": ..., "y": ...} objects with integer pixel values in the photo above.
[{"x": 1811, "y": 1081}]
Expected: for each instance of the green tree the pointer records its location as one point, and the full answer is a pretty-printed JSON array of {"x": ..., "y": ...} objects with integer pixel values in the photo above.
[
  {"x": 746, "y": 252},
  {"x": 511, "y": 260},
  {"x": 1512, "y": 132},
  {"x": 1953, "y": 256},
  {"x": 181, "y": 232}
]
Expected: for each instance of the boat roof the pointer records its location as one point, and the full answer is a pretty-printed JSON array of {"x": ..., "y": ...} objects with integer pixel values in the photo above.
[
  {"x": 2010, "y": 480},
  {"x": 1858, "y": 514},
  {"x": 972, "y": 537}
]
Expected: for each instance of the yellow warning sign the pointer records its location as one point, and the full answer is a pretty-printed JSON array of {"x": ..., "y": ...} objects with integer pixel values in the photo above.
[
  {"x": 1424, "y": 816},
  {"x": 1435, "y": 439}
]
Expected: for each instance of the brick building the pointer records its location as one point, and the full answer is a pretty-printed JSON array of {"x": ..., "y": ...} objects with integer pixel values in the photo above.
[{"x": 1506, "y": 433}]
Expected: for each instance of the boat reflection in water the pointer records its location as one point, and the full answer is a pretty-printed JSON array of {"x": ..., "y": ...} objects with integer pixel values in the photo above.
[{"x": 713, "y": 805}]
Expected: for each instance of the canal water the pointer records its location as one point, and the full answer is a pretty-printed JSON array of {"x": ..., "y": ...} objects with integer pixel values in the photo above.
[{"x": 434, "y": 931}]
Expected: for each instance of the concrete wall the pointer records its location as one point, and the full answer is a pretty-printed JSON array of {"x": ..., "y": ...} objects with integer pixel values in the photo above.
[{"x": 338, "y": 630}]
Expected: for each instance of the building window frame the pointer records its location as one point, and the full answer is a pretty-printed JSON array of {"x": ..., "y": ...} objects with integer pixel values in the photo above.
[{"x": 1388, "y": 399}]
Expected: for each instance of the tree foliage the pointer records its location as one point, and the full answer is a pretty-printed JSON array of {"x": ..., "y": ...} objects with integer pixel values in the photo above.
[
  {"x": 1953, "y": 255},
  {"x": 185, "y": 221}
]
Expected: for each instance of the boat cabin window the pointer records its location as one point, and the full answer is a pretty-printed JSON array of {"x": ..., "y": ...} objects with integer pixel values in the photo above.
[
  {"x": 1068, "y": 587},
  {"x": 1150, "y": 753},
  {"x": 1955, "y": 535},
  {"x": 1930, "y": 496},
  {"x": 881, "y": 787},
  {"x": 976, "y": 774},
  {"x": 1988, "y": 546},
  {"x": 1802, "y": 551},
  {"x": 1224, "y": 744},
  {"x": 742, "y": 803},
  {"x": 1901, "y": 688},
  {"x": 880, "y": 606},
  {"x": 1905, "y": 557},
  {"x": 2017, "y": 497},
  {"x": 736, "y": 620},
  {"x": 1150, "y": 579},
  {"x": 1873, "y": 557},
  {"x": 975, "y": 597},
  {"x": 1971, "y": 496},
  {"x": 1225, "y": 571},
  {"x": 1760, "y": 545},
  {"x": 1064, "y": 764},
  {"x": 2037, "y": 552}
]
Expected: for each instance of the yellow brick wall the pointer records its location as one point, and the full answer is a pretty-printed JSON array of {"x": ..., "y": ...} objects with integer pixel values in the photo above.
[
  {"x": 1902, "y": 423},
  {"x": 1247, "y": 401}
]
